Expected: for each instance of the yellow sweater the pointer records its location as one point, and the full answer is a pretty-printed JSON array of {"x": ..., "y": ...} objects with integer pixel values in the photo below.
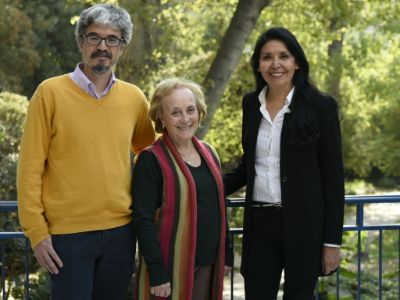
[{"x": 74, "y": 171}]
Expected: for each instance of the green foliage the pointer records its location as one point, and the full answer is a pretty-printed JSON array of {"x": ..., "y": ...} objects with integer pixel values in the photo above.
[
  {"x": 370, "y": 109},
  {"x": 12, "y": 115},
  {"x": 225, "y": 132},
  {"x": 369, "y": 267},
  {"x": 39, "y": 287},
  {"x": 183, "y": 37},
  {"x": 180, "y": 38},
  {"x": 54, "y": 38},
  {"x": 18, "y": 56},
  {"x": 359, "y": 187}
]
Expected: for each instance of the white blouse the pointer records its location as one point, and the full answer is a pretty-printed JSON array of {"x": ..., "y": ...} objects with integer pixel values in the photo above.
[{"x": 267, "y": 182}]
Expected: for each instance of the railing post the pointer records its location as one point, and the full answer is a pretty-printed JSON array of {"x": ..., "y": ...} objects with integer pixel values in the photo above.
[
  {"x": 380, "y": 264},
  {"x": 3, "y": 269},
  {"x": 27, "y": 246},
  {"x": 233, "y": 263},
  {"x": 337, "y": 283},
  {"x": 360, "y": 224}
]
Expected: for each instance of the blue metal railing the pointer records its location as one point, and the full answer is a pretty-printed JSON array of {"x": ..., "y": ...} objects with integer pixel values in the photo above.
[
  {"x": 359, "y": 226},
  {"x": 11, "y": 206},
  {"x": 360, "y": 201}
]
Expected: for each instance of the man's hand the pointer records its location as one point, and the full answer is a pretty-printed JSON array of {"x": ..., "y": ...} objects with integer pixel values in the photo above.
[
  {"x": 47, "y": 257},
  {"x": 163, "y": 290},
  {"x": 330, "y": 259}
]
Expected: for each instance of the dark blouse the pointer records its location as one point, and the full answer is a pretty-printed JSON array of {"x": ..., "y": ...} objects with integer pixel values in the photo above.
[{"x": 147, "y": 191}]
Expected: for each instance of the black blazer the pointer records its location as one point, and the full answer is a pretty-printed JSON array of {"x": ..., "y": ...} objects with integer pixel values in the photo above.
[{"x": 312, "y": 179}]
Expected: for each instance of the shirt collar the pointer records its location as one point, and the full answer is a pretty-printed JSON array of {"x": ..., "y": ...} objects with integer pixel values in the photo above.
[
  {"x": 261, "y": 96},
  {"x": 87, "y": 85}
]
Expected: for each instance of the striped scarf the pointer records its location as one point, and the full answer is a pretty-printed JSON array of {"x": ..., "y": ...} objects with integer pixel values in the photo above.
[{"x": 176, "y": 222}]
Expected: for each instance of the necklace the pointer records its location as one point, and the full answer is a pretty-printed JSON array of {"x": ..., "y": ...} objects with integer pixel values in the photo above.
[
  {"x": 186, "y": 158},
  {"x": 188, "y": 161}
]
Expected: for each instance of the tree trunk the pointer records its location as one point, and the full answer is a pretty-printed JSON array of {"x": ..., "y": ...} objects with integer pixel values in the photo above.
[
  {"x": 228, "y": 55},
  {"x": 144, "y": 40}
]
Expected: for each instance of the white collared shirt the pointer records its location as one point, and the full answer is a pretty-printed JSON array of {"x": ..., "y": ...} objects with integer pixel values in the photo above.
[
  {"x": 267, "y": 181},
  {"x": 88, "y": 86}
]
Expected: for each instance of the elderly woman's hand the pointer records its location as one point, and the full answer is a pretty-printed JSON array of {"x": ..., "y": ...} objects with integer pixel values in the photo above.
[
  {"x": 227, "y": 270},
  {"x": 163, "y": 290}
]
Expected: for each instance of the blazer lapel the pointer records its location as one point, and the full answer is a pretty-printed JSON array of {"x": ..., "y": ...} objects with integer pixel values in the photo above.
[{"x": 253, "y": 132}]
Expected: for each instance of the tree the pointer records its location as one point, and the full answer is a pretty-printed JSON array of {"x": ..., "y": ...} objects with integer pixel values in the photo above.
[
  {"x": 351, "y": 47},
  {"x": 12, "y": 116},
  {"x": 228, "y": 55},
  {"x": 176, "y": 38},
  {"x": 18, "y": 56},
  {"x": 52, "y": 22},
  {"x": 138, "y": 58}
]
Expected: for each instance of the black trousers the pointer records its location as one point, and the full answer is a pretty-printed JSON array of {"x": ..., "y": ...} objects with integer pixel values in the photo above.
[
  {"x": 266, "y": 258},
  {"x": 98, "y": 265}
]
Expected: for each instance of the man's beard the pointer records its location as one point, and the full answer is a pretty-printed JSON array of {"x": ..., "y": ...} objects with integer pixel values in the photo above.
[{"x": 100, "y": 69}]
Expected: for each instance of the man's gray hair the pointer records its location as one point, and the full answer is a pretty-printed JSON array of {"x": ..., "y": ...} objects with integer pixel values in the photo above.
[{"x": 106, "y": 14}]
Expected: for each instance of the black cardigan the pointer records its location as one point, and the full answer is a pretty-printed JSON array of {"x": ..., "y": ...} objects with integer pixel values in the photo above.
[{"x": 147, "y": 190}]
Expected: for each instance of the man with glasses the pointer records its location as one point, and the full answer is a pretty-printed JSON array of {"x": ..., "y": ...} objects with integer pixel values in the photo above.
[{"x": 74, "y": 171}]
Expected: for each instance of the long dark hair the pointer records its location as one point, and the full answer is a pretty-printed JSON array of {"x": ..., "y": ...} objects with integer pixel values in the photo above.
[{"x": 304, "y": 123}]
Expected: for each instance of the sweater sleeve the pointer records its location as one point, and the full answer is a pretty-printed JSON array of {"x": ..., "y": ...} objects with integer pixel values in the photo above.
[
  {"x": 31, "y": 167},
  {"x": 144, "y": 133},
  {"x": 147, "y": 197}
]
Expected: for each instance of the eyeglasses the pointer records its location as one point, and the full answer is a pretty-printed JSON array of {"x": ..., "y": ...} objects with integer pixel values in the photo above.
[{"x": 94, "y": 39}]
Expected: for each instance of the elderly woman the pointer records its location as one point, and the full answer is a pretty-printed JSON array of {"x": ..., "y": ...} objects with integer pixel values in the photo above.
[
  {"x": 179, "y": 212},
  {"x": 293, "y": 171}
]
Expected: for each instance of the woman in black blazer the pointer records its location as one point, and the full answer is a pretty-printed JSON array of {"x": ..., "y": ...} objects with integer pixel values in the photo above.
[{"x": 293, "y": 171}]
